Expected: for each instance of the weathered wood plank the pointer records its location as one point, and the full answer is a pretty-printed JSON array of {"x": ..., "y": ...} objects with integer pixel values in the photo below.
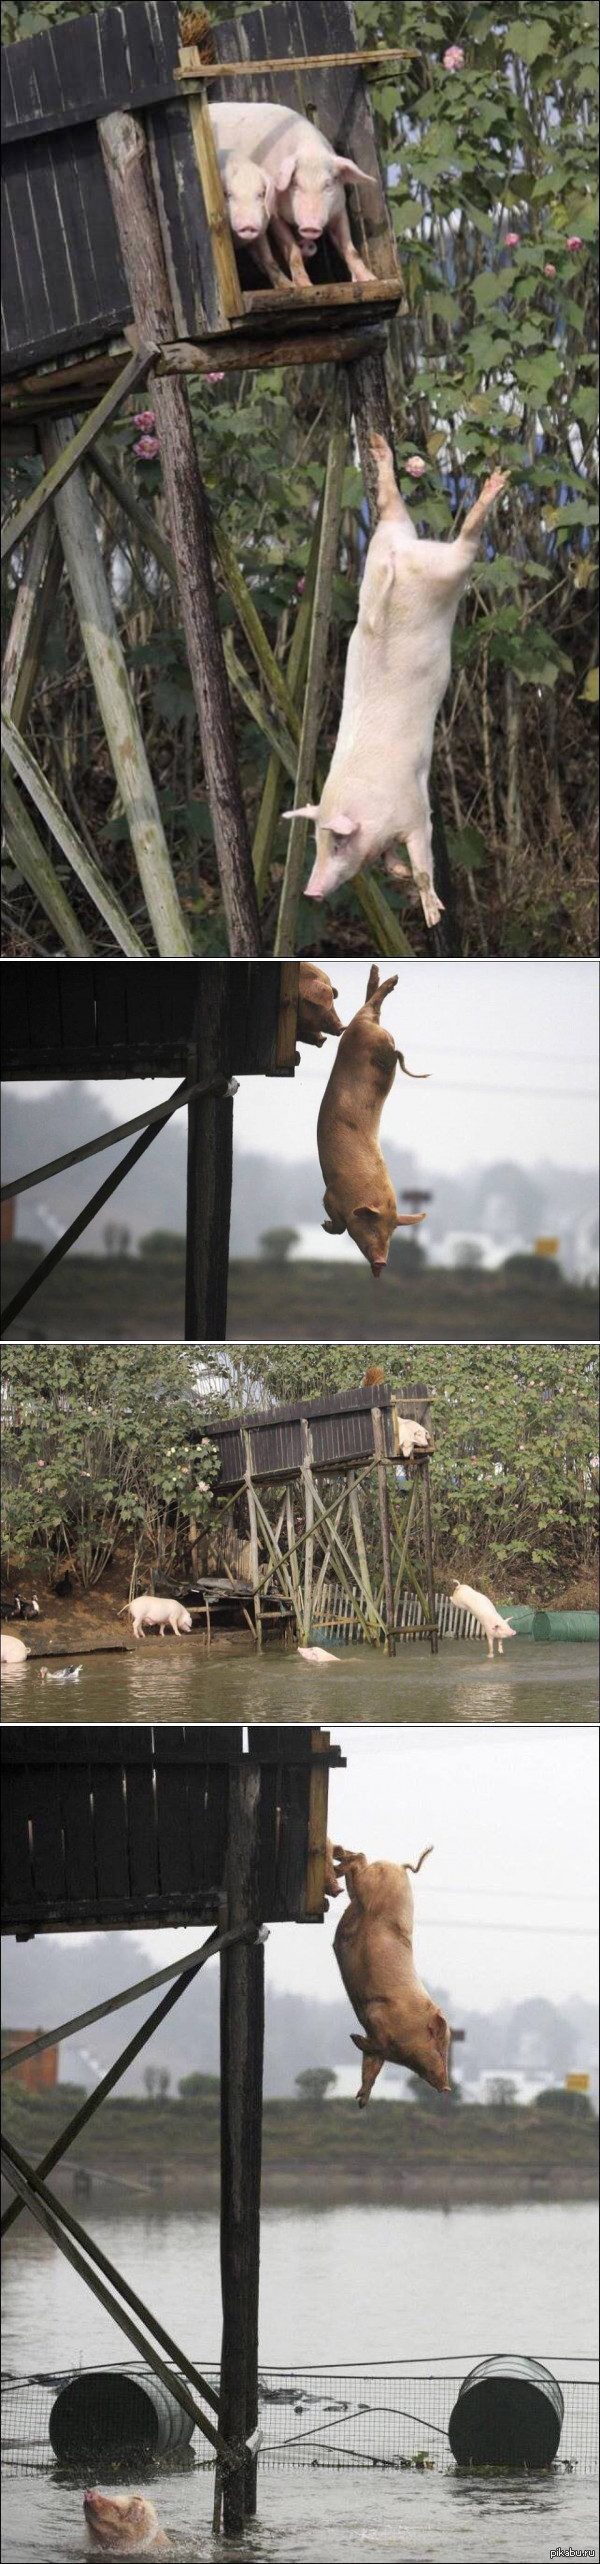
[
  {"x": 59, "y": 472},
  {"x": 70, "y": 75}
]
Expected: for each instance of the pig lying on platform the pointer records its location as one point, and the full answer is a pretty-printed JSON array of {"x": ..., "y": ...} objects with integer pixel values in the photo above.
[
  {"x": 14, "y": 1650},
  {"x": 359, "y": 1193},
  {"x": 412, "y": 1437},
  {"x": 120, "y": 2523},
  {"x": 373, "y": 1948},
  {"x": 277, "y": 170},
  {"x": 397, "y": 671},
  {"x": 316, "y": 1009},
  {"x": 159, "y": 1614},
  {"x": 467, "y": 1599}
]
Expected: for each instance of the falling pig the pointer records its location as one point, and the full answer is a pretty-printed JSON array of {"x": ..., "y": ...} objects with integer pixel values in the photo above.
[
  {"x": 373, "y": 1948},
  {"x": 466, "y": 1598},
  {"x": 279, "y": 173},
  {"x": 359, "y": 1194},
  {"x": 397, "y": 671}
]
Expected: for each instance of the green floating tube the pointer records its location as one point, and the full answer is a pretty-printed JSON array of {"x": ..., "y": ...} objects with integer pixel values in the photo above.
[{"x": 552, "y": 1625}]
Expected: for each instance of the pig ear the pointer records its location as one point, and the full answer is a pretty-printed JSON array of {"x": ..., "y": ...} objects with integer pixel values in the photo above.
[
  {"x": 349, "y": 169},
  {"x": 340, "y": 825},
  {"x": 284, "y": 174},
  {"x": 308, "y": 810},
  {"x": 365, "y": 1211},
  {"x": 270, "y": 196}
]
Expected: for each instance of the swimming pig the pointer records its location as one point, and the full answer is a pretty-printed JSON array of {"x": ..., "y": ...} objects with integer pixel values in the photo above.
[
  {"x": 397, "y": 671},
  {"x": 121, "y": 2523},
  {"x": 373, "y": 1948},
  {"x": 359, "y": 1193}
]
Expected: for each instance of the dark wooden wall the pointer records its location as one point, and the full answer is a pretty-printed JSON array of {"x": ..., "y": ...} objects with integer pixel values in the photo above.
[
  {"x": 125, "y": 1826},
  {"x": 341, "y": 1432},
  {"x": 64, "y": 283},
  {"x": 139, "y": 1019}
]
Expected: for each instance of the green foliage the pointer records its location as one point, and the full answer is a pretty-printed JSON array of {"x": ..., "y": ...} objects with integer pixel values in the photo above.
[
  {"x": 515, "y": 1476},
  {"x": 97, "y": 1445}
]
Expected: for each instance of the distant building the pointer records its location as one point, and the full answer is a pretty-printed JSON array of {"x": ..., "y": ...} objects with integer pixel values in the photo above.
[{"x": 37, "y": 2074}]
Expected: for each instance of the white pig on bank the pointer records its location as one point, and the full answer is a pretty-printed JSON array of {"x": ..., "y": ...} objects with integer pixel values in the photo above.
[
  {"x": 14, "y": 1650},
  {"x": 278, "y": 171},
  {"x": 373, "y": 1948},
  {"x": 466, "y": 1598},
  {"x": 158, "y": 1613},
  {"x": 397, "y": 671}
]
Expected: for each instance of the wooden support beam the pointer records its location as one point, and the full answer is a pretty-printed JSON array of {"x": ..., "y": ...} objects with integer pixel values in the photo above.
[
  {"x": 254, "y": 1551},
  {"x": 209, "y": 1172},
  {"x": 317, "y": 1823},
  {"x": 309, "y": 1517},
  {"x": 423, "y": 1471},
  {"x": 285, "y": 936},
  {"x": 384, "y": 1517},
  {"x": 32, "y": 614},
  {"x": 100, "y": 891},
  {"x": 242, "y": 70},
  {"x": 99, "y": 2093},
  {"x": 116, "y": 701},
  {"x": 242, "y": 2036},
  {"x": 69, "y": 1238},
  {"x": 127, "y": 165},
  {"x": 356, "y": 1520},
  {"x": 230, "y": 291},
  {"x": 75, "y": 444},
  {"x": 36, "y": 868},
  {"x": 406, "y": 1532}
]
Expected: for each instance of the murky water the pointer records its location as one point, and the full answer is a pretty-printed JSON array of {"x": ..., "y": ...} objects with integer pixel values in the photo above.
[
  {"x": 164, "y": 1679},
  {"x": 396, "y": 2283}
]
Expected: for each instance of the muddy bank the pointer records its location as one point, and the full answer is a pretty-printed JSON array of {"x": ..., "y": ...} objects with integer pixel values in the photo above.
[{"x": 426, "y": 2187}]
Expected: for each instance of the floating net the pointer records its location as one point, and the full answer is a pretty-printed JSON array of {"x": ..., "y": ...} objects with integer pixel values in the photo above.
[{"x": 309, "y": 2417}]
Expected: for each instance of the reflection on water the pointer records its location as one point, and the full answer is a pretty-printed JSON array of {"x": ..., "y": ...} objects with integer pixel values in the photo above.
[
  {"x": 169, "y": 1679},
  {"x": 396, "y": 2284}
]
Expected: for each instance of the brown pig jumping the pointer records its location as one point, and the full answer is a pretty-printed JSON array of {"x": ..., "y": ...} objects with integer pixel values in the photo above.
[
  {"x": 359, "y": 1194},
  {"x": 373, "y": 1948}
]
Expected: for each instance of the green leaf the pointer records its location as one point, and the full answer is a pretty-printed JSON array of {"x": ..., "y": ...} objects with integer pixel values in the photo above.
[
  {"x": 529, "y": 40},
  {"x": 489, "y": 286},
  {"x": 589, "y": 691},
  {"x": 467, "y": 847}
]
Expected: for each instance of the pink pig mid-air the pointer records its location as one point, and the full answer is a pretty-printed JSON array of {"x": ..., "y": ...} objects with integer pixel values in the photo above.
[
  {"x": 373, "y": 1948},
  {"x": 280, "y": 174},
  {"x": 397, "y": 671},
  {"x": 359, "y": 1194},
  {"x": 466, "y": 1598},
  {"x": 156, "y": 1612}
]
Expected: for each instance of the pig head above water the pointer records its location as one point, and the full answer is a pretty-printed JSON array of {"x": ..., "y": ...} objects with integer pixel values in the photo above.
[
  {"x": 359, "y": 1194},
  {"x": 397, "y": 671},
  {"x": 124, "y": 2524},
  {"x": 316, "y": 1007},
  {"x": 373, "y": 1948},
  {"x": 279, "y": 171}
]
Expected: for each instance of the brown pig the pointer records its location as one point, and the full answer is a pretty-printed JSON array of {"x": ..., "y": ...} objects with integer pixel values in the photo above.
[
  {"x": 373, "y": 1948},
  {"x": 331, "y": 1881},
  {"x": 316, "y": 1009},
  {"x": 120, "y": 2523},
  {"x": 359, "y": 1193}
]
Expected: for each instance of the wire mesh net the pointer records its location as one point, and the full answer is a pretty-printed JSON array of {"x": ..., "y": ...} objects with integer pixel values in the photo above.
[{"x": 308, "y": 2418}]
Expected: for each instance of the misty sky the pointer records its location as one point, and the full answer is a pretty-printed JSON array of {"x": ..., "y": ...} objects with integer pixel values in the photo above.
[
  {"x": 506, "y": 1907},
  {"x": 512, "y": 1053}
]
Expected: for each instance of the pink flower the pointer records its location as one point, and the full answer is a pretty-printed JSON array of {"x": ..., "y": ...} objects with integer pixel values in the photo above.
[
  {"x": 415, "y": 466},
  {"x": 512, "y": 239},
  {"x": 453, "y": 59},
  {"x": 549, "y": 270},
  {"x": 146, "y": 448},
  {"x": 214, "y": 378},
  {"x": 146, "y": 419},
  {"x": 300, "y": 586},
  {"x": 574, "y": 241}
]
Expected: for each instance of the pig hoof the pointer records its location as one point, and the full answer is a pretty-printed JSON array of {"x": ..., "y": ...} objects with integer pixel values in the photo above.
[{"x": 362, "y": 275}]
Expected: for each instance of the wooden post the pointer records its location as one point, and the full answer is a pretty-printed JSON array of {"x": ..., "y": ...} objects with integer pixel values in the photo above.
[
  {"x": 209, "y": 1170},
  {"x": 242, "y": 2037},
  {"x": 127, "y": 167},
  {"x": 36, "y": 868},
  {"x": 116, "y": 702},
  {"x": 356, "y": 1520},
  {"x": 317, "y": 658},
  {"x": 34, "y": 606},
  {"x": 384, "y": 1516},
  {"x": 253, "y": 1521},
  {"x": 309, "y": 1517},
  {"x": 426, "y": 1503}
]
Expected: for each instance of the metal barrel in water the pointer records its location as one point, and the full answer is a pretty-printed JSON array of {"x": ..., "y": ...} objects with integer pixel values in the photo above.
[
  {"x": 509, "y": 2412},
  {"x": 552, "y": 1625},
  {"x": 104, "y": 2416}
]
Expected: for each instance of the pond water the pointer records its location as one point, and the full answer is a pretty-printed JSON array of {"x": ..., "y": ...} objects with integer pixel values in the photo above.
[
  {"x": 439, "y": 2289},
  {"x": 171, "y": 1678}
]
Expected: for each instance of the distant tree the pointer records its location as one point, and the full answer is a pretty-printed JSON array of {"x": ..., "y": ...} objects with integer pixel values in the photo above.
[
  {"x": 165, "y": 1244},
  {"x": 198, "y": 2087},
  {"x": 156, "y": 2082},
  {"x": 116, "y": 1240},
  {"x": 277, "y": 1244},
  {"x": 502, "y": 2092},
  {"x": 315, "y": 2081},
  {"x": 564, "y": 2105}
]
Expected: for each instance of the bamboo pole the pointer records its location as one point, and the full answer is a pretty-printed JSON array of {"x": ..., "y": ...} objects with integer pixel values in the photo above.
[
  {"x": 317, "y": 661},
  {"x": 37, "y": 870},
  {"x": 279, "y": 741},
  {"x": 60, "y": 466},
  {"x": 127, "y": 167},
  {"x": 116, "y": 702},
  {"x": 356, "y": 1519},
  {"x": 33, "y": 609},
  {"x": 61, "y": 828}
]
